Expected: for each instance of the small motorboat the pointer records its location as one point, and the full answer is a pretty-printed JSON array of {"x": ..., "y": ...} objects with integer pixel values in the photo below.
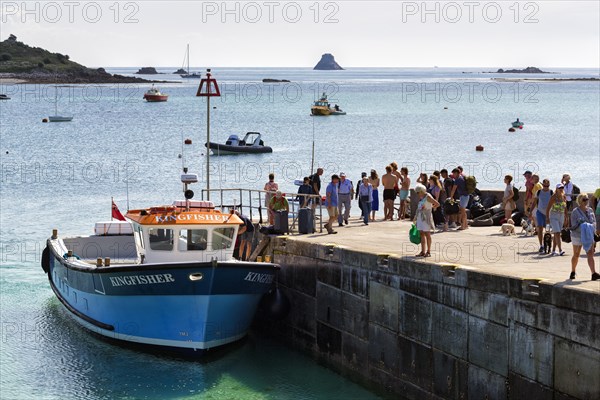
[
  {"x": 153, "y": 95},
  {"x": 323, "y": 107},
  {"x": 517, "y": 124},
  {"x": 4, "y": 97},
  {"x": 164, "y": 278},
  {"x": 251, "y": 143}
]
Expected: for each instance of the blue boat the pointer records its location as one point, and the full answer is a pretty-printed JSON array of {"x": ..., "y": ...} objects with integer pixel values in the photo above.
[{"x": 165, "y": 277}]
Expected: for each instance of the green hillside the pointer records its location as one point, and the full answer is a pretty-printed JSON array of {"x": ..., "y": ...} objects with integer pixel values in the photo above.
[{"x": 18, "y": 57}]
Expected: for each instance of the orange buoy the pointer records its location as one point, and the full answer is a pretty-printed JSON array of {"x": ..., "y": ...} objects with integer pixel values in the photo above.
[
  {"x": 44, "y": 119},
  {"x": 479, "y": 148},
  {"x": 187, "y": 141}
]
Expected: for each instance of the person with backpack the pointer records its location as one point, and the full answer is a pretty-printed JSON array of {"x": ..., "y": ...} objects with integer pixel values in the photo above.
[
  {"x": 540, "y": 203},
  {"x": 508, "y": 202},
  {"x": 570, "y": 189},
  {"x": 460, "y": 187}
]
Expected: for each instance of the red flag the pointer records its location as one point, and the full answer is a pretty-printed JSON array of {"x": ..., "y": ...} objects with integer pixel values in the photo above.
[{"x": 116, "y": 214}]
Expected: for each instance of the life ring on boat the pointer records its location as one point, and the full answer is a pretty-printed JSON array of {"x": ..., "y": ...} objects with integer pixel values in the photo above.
[
  {"x": 162, "y": 209},
  {"x": 46, "y": 259}
]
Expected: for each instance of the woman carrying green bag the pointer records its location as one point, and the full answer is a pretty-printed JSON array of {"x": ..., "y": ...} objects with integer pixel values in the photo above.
[{"x": 424, "y": 219}]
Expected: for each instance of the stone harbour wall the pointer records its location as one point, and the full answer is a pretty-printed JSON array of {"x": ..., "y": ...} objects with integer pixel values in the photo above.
[{"x": 426, "y": 331}]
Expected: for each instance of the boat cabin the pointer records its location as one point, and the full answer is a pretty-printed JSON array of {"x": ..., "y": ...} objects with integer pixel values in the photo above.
[
  {"x": 250, "y": 139},
  {"x": 176, "y": 234}
]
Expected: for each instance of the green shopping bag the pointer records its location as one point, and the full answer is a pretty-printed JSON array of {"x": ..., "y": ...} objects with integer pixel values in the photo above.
[{"x": 414, "y": 235}]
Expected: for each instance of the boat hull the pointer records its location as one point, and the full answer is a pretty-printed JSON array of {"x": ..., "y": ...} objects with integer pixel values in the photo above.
[
  {"x": 155, "y": 98},
  {"x": 59, "y": 118},
  {"x": 224, "y": 149},
  {"x": 322, "y": 111},
  {"x": 187, "y": 306}
]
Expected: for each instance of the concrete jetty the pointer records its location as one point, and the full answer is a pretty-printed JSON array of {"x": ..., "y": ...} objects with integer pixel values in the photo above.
[{"x": 486, "y": 317}]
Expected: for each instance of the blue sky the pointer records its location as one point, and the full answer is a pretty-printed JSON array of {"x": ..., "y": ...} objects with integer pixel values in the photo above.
[{"x": 296, "y": 33}]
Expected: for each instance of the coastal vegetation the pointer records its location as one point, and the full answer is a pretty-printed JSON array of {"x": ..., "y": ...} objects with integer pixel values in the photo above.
[{"x": 36, "y": 65}]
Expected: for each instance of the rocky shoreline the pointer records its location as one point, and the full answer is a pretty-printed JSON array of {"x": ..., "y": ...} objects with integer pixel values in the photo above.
[
  {"x": 546, "y": 79},
  {"x": 87, "y": 76}
]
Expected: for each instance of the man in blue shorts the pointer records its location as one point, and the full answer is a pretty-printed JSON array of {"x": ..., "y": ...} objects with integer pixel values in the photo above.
[{"x": 460, "y": 187}]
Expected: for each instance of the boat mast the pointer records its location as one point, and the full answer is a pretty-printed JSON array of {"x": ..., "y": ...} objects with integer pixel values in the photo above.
[{"x": 188, "y": 58}]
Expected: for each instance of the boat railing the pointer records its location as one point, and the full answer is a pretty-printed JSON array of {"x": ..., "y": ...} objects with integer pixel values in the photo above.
[{"x": 253, "y": 203}]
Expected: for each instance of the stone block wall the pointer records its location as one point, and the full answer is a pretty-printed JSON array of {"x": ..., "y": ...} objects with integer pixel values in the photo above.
[{"x": 425, "y": 331}]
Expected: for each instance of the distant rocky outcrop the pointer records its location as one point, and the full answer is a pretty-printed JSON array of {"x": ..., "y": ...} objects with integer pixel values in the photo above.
[
  {"x": 147, "y": 71},
  {"x": 271, "y": 80},
  {"x": 327, "y": 63},
  {"x": 528, "y": 70},
  {"x": 36, "y": 65},
  {"x": 180, "y": 71}
]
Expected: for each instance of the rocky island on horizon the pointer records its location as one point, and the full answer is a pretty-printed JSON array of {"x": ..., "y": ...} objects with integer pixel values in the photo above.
[
  {"x": 528, "y": 70},
  {"x": 327, "y": 63},
  {"x": 27, "y": 64},
  {"x": 147, "y": 71}
]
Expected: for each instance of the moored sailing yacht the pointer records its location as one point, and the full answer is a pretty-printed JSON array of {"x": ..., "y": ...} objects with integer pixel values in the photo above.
[{"x": 187, "y": 60}]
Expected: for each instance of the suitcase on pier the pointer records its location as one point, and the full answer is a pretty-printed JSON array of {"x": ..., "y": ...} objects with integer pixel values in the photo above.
[
  {"x": 281, "y": 222},
  {"x": 306, "y": 222}
]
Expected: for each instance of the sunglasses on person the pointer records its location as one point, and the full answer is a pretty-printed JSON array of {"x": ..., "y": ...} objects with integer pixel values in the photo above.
[{"x": 584, "y": 199}]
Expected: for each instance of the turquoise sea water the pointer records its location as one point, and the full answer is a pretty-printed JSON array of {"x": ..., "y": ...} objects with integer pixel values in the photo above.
[{"x": 62, "y": 176}]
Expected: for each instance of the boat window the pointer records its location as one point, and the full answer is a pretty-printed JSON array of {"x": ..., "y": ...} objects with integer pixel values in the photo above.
[
  {"x": 222, "y": 238},
  {"x": 192, "y": 239},
  {"x": 160, "y": 239}
]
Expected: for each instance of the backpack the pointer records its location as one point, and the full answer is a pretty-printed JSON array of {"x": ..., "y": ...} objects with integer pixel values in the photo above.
[
  {"x": 516, "y": 193},
  {"x": 576, "y": 189},
  {"x": 470, "y": 184}
]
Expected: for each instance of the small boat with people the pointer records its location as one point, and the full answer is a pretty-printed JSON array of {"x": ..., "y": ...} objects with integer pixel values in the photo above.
[
  {"x": 163, "y": 277},
  {"x": 517, "y": 124},
  {"x": 323, "y": 107},
  {"x": 252, "y": 143},
  {"x": 154, "y": 95},
  {"x": 4, "y": 97}
]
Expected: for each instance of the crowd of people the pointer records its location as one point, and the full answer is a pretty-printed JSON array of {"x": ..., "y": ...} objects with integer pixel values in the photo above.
[{"x": 443, "y": 201}]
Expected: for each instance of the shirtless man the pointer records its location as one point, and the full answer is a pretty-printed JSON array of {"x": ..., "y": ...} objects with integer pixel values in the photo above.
[
  {"x": 404, "y": 190},
  {"x": 389, "y": 181},
  {"x": 398, "y": 175}
]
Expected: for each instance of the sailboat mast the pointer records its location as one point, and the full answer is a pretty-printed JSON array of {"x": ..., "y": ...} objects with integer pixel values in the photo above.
[{"x": 188, "y": 58}]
